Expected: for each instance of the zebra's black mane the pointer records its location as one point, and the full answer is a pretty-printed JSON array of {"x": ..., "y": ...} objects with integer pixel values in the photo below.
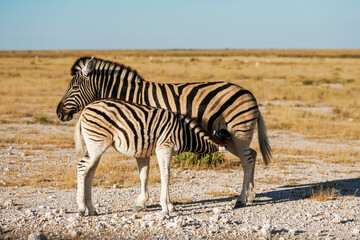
[{"x": 80, "y": 63}]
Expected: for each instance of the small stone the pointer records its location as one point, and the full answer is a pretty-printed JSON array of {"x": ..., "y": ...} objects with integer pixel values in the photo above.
[
  {"x": 56, "y": 211},
  {"x": 356, "y": 231},
  {"x": 257, "y": 227},
  {"x": 266, "y": 229},
  {"x": 292, "y": 231},
  {"x": 74, "y": 233},
  {"x": 214, "y": 218},
  {"x": 49, "y": 215},
  {"x": 337, "y": 219},
  {"x": 216, "y": 210},
  {"x": 9, "y": 203},
  {"x": 115, "y": 186},
  {"x": 41, "y": 207},
  {"x": 37, "y": 236}
]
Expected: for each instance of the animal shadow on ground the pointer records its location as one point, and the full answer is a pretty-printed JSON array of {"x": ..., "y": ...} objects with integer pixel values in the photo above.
[{"x": 344, "y": 187}]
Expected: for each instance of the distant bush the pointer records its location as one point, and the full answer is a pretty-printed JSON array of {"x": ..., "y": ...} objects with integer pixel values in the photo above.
[{"x": 308, "y": 82}]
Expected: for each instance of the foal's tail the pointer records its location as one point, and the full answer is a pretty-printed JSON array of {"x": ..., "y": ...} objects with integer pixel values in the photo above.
[
  {"x": 79, "y": 145},
  {"x": 265, "y": 147}
]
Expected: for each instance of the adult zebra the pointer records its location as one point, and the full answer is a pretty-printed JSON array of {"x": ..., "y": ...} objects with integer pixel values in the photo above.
[
  {"x": 137, "y": 131},
  {"x": 216, "y": 105}
]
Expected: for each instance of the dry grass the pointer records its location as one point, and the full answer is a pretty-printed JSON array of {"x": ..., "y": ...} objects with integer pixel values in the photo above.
[
  {"x": 324, "y": 194},
  {"x": 217, "y": 193},
  {"x": 312, "y": 78}
]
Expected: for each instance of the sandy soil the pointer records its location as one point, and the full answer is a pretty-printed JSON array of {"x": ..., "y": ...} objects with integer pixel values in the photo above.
[{"x": 204, "y": 199}]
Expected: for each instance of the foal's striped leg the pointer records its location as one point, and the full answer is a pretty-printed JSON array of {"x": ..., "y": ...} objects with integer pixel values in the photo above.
[{"x": 143, "y": 167}]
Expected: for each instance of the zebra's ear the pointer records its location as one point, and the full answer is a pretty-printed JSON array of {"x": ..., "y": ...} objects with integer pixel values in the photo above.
[{"x": 88, "y": 67}]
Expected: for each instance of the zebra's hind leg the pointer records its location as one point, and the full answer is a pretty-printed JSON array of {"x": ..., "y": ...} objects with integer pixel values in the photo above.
[
  {"x": 88, "y": 179},
  {"x": 143, "y": 167},
  {"x": 252, "y": 194},
  {"x": 242, "y": 150},
  {"x": 164, "y": 156}
]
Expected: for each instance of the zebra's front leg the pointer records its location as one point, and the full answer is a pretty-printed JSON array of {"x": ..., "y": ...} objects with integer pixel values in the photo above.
[
  {"x": 164, "y": 156},
  {"x": 143, "y": 168}
]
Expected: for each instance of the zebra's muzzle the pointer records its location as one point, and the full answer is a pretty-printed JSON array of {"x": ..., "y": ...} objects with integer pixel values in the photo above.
[{"x": 63, "y": 114}]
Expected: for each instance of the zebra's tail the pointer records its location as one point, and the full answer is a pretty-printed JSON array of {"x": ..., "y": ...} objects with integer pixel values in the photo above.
[
  {"x": 265, "y": 147},
  {"x": 79, "y": 146}
]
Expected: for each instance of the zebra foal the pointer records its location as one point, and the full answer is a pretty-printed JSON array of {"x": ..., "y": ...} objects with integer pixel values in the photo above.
[{"x": 136, "y": 131}]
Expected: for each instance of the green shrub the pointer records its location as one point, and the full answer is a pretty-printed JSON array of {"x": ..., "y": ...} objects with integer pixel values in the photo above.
[{"x": 192, "y": 160}]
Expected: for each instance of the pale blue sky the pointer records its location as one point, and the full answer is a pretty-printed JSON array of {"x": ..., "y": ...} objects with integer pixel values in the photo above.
[{"x": 110, "y": 24}]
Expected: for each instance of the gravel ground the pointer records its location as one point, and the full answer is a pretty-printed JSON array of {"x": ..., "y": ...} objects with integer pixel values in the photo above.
[{"x": 203, "y": 199}]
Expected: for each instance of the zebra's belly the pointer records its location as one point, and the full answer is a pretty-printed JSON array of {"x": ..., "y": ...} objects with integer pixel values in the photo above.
[{"x": 138, "y": 152}]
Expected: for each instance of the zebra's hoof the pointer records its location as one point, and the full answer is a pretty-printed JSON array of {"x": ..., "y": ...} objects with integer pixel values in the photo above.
[
  {"x": 139, "y": 208},
  {"x": 252, "y": 197},
  {"x": 171, "y": 207},
  {"x": 239, "y": 204},
  {"x": 95, "y": 213},
  {"x": 81, "y": 212},
  {"x": 164, "y": 213}
]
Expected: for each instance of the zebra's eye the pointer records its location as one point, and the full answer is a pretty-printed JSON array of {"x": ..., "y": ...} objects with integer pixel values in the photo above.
[{"x": 75, "y": 87}]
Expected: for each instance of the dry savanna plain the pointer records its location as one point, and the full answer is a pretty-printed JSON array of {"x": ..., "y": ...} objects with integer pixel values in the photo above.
[{"x": 310, "y": 100}]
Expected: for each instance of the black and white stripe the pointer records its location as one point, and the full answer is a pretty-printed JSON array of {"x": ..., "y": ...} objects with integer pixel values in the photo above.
[
  {"x": 216, "y": 105},
  {"x": 137, "y": 131}
]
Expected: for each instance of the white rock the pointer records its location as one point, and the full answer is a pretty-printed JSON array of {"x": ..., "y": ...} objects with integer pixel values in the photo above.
[
  {"x": 337, "y": 219},
  {"x": 216, "y": 210},
  {"x": 266, "y": 229},
  {"x": 355, "y": 231},
  {"x": 74, "y": 234},
  {"x": 171, "y": 225},
  {"x": 9, "y": 203},
  {"x": 292, "y": 231},
  {"x": 49, "y": 215},
  {"x": 214, "y": 218},
  {"x": 115, "y": 186},
  {"x": 41, "y": 206}
]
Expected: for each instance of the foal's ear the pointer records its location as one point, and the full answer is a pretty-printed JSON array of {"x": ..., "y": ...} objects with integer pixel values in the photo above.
[{"x": 88, "y": 67}]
